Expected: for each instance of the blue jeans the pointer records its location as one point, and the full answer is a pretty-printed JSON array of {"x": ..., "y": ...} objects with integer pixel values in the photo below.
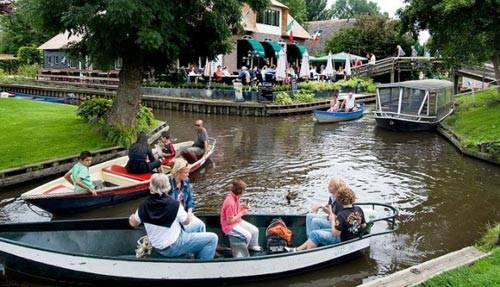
[
  {"x": 316, "y": 221},
  {"x": 202, "y": 244},
  {"x": 196, "y": 225},
  {"x": 323, "y": 237}
]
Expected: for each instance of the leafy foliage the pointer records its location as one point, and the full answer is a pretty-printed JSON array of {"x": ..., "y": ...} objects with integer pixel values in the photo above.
[
  {"x": 283, "y": 98},
  {"x": 96, "y": 110},
  {"x": 316, "y": 10},
  {"x": 298, "y": 10},
  {"x": 28, "y": 71},
  {"x": 303, "y": 97},
  {"x": 365, "y": 84},
  {"x": 18, "y": 28},
  {"x": 318, "y": 86},
  {"x": 347, "y": 9},
  {"x": 9, "y": 65},
  {"x": 375, "y": 34},
  {"x": 463, "y": 32},
  {"x": 30, "y": 55}
]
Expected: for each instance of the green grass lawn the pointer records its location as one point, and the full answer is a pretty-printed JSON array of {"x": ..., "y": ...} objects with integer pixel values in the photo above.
[
  {"x": 32, "y": 131},
  {"x": 477, "y": 119},
  {"x": 485, "y": 272}
]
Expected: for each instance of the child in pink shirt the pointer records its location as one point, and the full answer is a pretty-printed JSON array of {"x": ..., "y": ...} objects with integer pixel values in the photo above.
[{"x": 232, "y": 212}]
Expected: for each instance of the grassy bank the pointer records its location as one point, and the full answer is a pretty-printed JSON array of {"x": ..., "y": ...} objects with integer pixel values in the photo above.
[
  {"x": 33, "y": 131},
  {"x": 485, "y": 272},
  {"x": 477, "y": 122}
]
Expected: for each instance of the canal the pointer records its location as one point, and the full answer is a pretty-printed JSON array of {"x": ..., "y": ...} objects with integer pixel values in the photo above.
[{"x": 445, "y": 199}]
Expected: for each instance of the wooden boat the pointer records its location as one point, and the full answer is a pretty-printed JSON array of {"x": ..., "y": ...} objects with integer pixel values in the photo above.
[
  {"x": 413, "y": 105},
  {"x": 333, "y": 117},
  {"x": 58, "y": 196},
  {"x": 102, "y": 250}
]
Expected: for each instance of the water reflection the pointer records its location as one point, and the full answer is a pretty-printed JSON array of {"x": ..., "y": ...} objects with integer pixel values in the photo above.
[{"x": 445, "y": 199}]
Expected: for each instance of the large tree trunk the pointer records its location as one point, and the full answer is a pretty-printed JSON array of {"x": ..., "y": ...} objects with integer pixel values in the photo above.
[
  {"x": 496, "y": 65},
  {"x": 128, "y": 96}
]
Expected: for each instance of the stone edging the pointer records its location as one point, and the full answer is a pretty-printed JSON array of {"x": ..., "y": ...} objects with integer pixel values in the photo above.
[
  {"x": 422, "y": 272},
  {"x": 447, "y": 132},
  {"x": 50, "y": 167}
]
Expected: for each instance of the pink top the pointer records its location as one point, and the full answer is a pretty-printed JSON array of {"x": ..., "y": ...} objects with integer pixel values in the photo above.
[{"x": 230, "y": 207}]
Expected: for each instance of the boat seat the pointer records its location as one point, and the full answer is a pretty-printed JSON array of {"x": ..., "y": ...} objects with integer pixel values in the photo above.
[
  {"x": 238, "y": 246},
  {"x": 60, "y": 188},
  {"x": 122, "y": 171}
]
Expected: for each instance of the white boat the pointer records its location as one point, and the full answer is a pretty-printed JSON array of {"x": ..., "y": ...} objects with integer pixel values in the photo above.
[{"x": 58, "y": 196}]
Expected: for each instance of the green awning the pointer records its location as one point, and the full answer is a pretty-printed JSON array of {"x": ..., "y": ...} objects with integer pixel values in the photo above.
[
  {"x": 300, "y": 49},
  {"x": 275, "y": 46},
  {"x": 257, "y": 48}
]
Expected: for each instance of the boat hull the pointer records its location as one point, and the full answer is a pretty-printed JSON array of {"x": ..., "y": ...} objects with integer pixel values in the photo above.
[
  {"x": 333, "y": 117},
  {"x": 76, "y": 251},
  {"x": 403, "y": 125}
]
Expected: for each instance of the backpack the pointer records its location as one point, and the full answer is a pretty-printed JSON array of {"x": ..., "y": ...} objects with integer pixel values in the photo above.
[{"x": 278, "y": 236}]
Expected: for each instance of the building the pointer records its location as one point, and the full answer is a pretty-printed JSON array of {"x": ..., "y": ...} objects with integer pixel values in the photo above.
[
  {"x": 5, "y": 6},
  {"x": 328, "y": 28},
  {"x": 264, "y": 35}
]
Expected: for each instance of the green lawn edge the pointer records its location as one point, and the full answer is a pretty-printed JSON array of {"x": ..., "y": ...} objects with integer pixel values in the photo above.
[
  {"x": 476, "y": 122},
  {"x": 484, "y": 272},
  {"x": 33, "y": 132}
]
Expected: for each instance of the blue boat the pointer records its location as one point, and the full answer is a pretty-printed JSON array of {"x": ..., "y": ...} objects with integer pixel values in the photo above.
[{"x": 333, "y": 117}]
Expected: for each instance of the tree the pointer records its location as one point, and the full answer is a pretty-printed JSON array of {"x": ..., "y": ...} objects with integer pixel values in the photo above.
[
  {"x": 143, "y": 34},
  {"x": 375, "y": 34},
  {"x": 464, "y": 32},
  {"x": 347, "y": 9},
  {"x": 316, "y": 10},
  {"x": 298, "y": 10},
  {"x": 18, "y": 29}
]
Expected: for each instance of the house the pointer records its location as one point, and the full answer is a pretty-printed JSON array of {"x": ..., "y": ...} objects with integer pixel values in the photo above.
[
  {"x": 264, "y": 35},
  {"x": 328, "y": 28},
  {"x": 5, "y": 6}
]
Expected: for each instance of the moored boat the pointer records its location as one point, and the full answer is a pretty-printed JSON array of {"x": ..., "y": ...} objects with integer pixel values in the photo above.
[
  {"x": 333, "y": 117},
  {"x": 413, "y": 105},
  {"x": 58, "y": 196},
  {"x": 102, "y": 250}
]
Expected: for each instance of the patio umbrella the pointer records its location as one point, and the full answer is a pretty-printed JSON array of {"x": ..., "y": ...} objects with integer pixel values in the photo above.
[
  {"x": 304, "y": 67},
  {"x": 281, "y": 67},
  {"x": 347, "y": 68},
  {"x": 329, "y": 72},
  {"x": 207, "y": 71}
]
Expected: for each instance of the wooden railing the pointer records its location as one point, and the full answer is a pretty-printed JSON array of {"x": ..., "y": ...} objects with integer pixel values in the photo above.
[{"x": 391, "y": 65}]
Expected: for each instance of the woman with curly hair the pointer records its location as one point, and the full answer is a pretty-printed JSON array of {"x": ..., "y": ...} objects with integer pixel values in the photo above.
[{"x": 346, "y": 225}]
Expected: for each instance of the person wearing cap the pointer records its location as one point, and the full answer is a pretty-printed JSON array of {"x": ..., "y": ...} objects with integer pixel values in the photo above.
[{"x": 163, "y": 218}]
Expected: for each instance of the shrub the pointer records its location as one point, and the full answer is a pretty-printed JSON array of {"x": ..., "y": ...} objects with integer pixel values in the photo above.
[
  {"x": 283, "y": 98},
  {"x": 30, "y": 55},
  {"x": 95, "y": 111},
  {"x": 281, "y": 88},
  {"x": 318, "y": 86},
  {"x": 29, "y": 71},
  {"x": 10, "y": 66},
  {"x": 304, "y": 97}
]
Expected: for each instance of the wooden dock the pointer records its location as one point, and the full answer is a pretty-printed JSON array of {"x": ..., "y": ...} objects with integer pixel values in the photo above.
[
  {"x": 184, "y": 104},
  {"x": 422, "y": 272}
]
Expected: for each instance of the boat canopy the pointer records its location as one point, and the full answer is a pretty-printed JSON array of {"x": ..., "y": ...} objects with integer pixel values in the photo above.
[{"x": 419, "y": 100}]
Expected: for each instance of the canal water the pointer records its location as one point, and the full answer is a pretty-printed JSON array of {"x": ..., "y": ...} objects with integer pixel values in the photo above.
[{"x": 445, "y": 199}]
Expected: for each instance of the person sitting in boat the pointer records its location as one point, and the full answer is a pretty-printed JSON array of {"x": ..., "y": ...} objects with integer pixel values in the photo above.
[
  {"x": 334, "y": 104},
  {"x": 200, "y": 146},
  {"x": 346, "y": 225},
  {"x": 315, "y": 221},
  {"x": 138, "y": 156},
  {"x": 79, "y": 175},
  {"x": 231, "y": 215},
  {"x": 182, "y": 192},
  {"x": 349, "y": 104},
  {"x": 166, "y": 149},
  {"x": 163, "y": 218}
]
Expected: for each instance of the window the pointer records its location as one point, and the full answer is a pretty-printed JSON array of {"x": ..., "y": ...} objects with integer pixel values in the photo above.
[{"x": 269, "y": 17}]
